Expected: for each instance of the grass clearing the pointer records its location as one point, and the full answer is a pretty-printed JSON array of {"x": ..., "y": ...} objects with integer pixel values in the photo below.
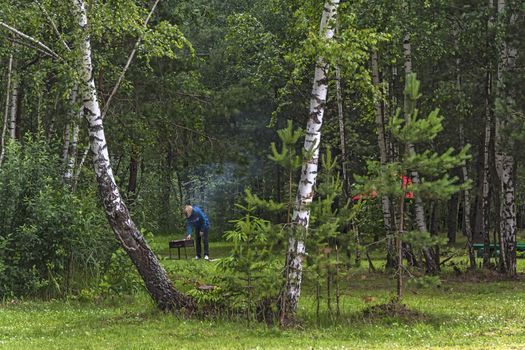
[{"x": 481, "y": 312}]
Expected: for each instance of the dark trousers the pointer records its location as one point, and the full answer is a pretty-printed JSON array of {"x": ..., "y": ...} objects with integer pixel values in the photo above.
[{"x": 204, "y": 238}]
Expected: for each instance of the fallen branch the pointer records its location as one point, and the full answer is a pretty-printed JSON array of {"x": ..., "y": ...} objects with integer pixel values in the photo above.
[{"x": 447, "y": 259}]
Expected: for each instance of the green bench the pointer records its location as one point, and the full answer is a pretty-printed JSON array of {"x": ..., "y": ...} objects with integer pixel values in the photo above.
[{"x": 494, "y": 248}]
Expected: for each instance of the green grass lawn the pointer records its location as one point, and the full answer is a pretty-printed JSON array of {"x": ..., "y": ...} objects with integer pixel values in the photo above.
[{"x": 481, "y": 312}]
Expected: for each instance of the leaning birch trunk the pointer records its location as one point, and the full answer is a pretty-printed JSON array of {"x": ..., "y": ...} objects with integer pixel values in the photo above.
[
  {"x": 305, "y": 192},
  {"x": 155, "y": 278},
  {"x": 504, "y": 158},
  {"x": 114, "y": 91},
  {"x": 13, "y": 109},
  {"x": 419, "y": 209},
  {"x": 6, "y": 112},
  {"x": 383, "y": 157}
]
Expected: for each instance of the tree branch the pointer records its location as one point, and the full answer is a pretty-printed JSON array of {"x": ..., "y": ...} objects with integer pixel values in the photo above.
[
  {"x": 28, "y": 45},
  {"x": 128, "y": 63},
  {"x": 52, "y": 24},
  {"x": 210, "y": 138},
  {"x": 33, "y": 40}
]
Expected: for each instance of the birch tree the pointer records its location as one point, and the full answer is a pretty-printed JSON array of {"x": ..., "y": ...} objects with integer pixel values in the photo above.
[
  {"x": 71, "y": 167},
  {"x": 504, "y": 158},
  {"x": 305, "y": 192},
  {"x": 483, "y": 206},
  {"x": 155, "y": 277},
  {"x": 6, "y": 112},
  {"x": 13, "y": 107},
  {"x": 69, "y": 153}
]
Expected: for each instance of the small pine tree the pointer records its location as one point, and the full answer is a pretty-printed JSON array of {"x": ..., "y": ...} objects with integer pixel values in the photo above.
[
  {"x": 253, "y": 275},
  {"x": 288, "y": 158},
  {"x": 325, "y": 239},
  {"x": 412, "y": 129}
]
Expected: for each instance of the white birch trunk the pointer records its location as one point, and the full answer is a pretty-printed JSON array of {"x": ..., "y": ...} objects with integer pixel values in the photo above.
[
  {"x": 72, "y": 143},
  {"x": 65, "y": 148},
  {"x": 485, "y": 178},
  {"x": 466, "y": 204},
  {"x": 305, "y": 192},
  {"x": 14, "y": 102},
  {"x": 407, "y": 54},
  {"x": 72, "y": 151},
  {"x": 504, "y": 158},
  {"x": 156, "y": 280},
  {"x": 6, "y": 112},
  {"x": 67, "y": 133},
  {"x": 482, "y": 216}
]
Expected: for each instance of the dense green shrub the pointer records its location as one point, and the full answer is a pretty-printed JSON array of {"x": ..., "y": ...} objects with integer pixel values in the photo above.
[
  {"x": 120, "y": 278},
  {"x": 52, "y": 241}
]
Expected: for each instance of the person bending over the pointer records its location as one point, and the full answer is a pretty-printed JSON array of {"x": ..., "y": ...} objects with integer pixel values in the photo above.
[{"x": 197, "y": 221}]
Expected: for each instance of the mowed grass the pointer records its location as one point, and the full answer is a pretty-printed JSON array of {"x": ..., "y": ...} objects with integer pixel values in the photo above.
[{"x": 467, "y": 311}]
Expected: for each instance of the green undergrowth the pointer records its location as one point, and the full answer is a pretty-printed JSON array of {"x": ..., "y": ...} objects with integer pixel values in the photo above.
[
  {"x": 462, "y": 315},
  {"x": 470, "y": 310}
]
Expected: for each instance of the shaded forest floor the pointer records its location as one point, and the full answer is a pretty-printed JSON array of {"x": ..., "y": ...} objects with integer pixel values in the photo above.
[{"x": 477, "y": 311}]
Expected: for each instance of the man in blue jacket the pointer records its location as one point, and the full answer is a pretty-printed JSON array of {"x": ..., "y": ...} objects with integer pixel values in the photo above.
[{"x": 197, "y": 222}]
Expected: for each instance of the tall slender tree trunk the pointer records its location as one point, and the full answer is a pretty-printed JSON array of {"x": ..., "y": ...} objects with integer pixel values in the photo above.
[
  {"x": 72, "y": 152},
  {"x": 383, "y": 157},
  {"x": 168, "y": 189},
  {"x": 466, "y": 204},
  {"x": 452, "y": 218},
  {"x": 464, "y": 170},
  {"x": 7, "y": 104},
  {"x": 133, "y": 177},
  {"x": 419, "y": 209},
  {"x": 155, "y": 277},
  {"x": 65, "y": 148},
  {"x": 342, "y": 133},
  {"x": 70, "y": 148},
  {"x": 305, "y": 193},
  {"x": 504, "y": 158},
  {"x": 13, "y": 108},
  {"x": 341, "y": 118},
  {"x": 483, "y": 208}
]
